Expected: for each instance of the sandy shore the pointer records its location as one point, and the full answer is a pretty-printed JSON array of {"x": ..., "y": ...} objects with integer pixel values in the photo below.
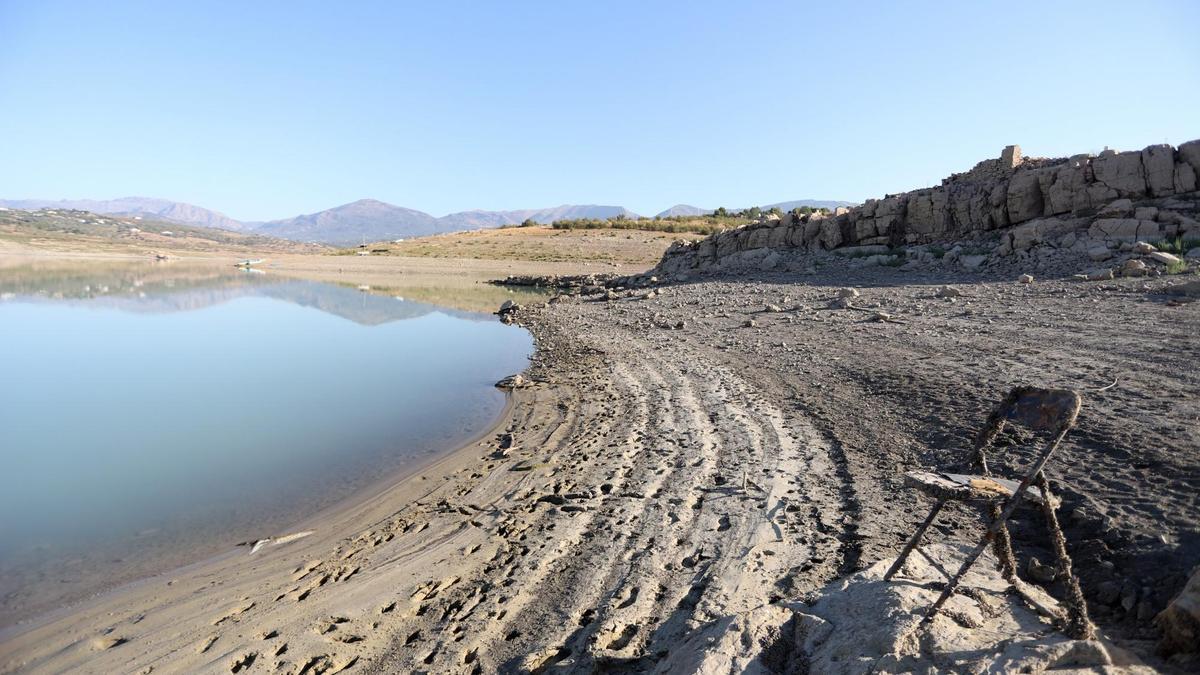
[{"x": 656, "y": 479}]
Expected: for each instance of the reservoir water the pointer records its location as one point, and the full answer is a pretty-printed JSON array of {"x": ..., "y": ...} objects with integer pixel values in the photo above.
[{"x": 150, "y": 415}]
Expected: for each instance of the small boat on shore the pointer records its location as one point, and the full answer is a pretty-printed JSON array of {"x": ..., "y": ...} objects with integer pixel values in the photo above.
[{"x": 248, "y": 262}]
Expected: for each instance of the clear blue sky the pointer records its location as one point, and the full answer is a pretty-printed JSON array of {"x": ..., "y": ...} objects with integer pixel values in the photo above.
[{"x": 269, "y": 109}]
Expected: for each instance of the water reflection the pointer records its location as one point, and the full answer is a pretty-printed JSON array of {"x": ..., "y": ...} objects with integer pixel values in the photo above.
[
  {"x": 171, "y": 287},
  {"x": 157, "y": 412}
]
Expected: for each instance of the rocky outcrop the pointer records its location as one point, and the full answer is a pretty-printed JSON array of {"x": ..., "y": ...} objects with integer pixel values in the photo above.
[{"x": 1020, "y": 202}]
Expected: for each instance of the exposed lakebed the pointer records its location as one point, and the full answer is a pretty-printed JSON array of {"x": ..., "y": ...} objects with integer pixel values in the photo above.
[{"x": 151, "y": 415}]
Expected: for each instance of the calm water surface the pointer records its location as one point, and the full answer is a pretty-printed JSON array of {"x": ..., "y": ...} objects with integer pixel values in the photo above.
[{"x": 146, "y": 417}]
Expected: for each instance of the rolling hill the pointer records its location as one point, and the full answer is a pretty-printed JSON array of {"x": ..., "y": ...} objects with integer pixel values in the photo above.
[
  {"x": 365, "y": 219},
  {"x": 349, "y": 224},
  {"x": 689, "y": 210},
  {"x": 161, "y": 209},
  {"x": 378, "y": 221}
]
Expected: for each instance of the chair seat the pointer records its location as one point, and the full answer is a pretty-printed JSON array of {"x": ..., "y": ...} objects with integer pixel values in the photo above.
[{"x": 963, "y": 487}]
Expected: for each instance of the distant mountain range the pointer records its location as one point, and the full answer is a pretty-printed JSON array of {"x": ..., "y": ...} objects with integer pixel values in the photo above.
[
  {"x": 689, "y": 210},
  {"x": 351, "y": 223},
  {"x": 135, "y": 206},
  {"x": 367, "y": 219}
]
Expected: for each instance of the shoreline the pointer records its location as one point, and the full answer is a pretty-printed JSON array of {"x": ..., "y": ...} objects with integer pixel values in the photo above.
[
  {"x": 658, "y": 482},
  {"x": 328, "y": 525},
  {"x": 360, "y": 497}
]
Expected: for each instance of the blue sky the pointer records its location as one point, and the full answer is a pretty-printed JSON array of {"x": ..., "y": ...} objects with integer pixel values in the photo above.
[{"x": 270, "y": 109}]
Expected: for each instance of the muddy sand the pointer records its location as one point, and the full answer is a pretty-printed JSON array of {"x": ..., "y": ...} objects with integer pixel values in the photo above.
[{"x": 686, "y": 464}]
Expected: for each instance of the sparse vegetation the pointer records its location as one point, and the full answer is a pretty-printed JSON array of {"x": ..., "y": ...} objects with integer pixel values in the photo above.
[
  {"x": 1178, "y": 246},
  {"x": 616, "y": 244},
  {"x": 84, "y": 230},
  {"x": 719, "y": 220}
]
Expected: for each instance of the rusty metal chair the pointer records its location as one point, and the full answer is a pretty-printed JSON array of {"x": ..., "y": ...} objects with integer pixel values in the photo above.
[{"x": 1049, "y": 411}]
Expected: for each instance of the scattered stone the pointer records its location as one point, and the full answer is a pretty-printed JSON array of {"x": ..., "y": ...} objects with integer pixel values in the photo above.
[
  {"x": 1190, "y": 289},
  {"x": 1180, "y": 621},
  {"x": 1165, "y": 258},
  {"x": 972, "y": 262},
  {"x": 1099, "y": 253},
  {"x": 1143, "y": 247},
  {"x": 883, "y": 317},
  {"x": 1025, "y": 278},
  {"x": 507, "y": 311},
  {"x": 772, "y": 308},
  {"x": 749, "y": 323},
  {"x": 948, "y": 292},
  {"x": 1043, "y": 574},
  {"x": 847, "y": 293},
  {"x": 1097, "y": 275},
  {"x": 1133, "y": 268},
  {"x": 511, "y": 382}
]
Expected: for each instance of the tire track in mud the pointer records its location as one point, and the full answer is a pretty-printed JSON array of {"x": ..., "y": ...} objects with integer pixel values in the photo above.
[
  {"x": 636, "y": 492},
  {"x": 717, "y": 495}
]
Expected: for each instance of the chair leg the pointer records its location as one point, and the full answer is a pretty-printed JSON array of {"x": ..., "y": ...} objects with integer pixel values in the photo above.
[
  {"x": 1002, "y": 547},
  {"x": 1079, "y": 626},
  {"x": 956, "y": 579},
  {"x": 1009, "y": 506},
  {"x": 915, "y": 540}
]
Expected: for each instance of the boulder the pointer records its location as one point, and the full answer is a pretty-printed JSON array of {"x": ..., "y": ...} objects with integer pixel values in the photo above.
[
  {"x": 972, "y": 262},
  {"x": 1118, "y": 208},
  {"x": 1124, "y": 229},
  {"x": 1024, "y": 198},
  {"x": 1185, "y": 178},
  {"x": 876, "y": 260},
  {"x": 1098, "y": 275},
  {"x": 1040, "y": 231},
  {"x": 1180, "y": 621},
  {"x": 1144, "y": 248},
  {"x": 1025, "y": 278},
  {"x": 1099, "y": 253},
  {"x": 857, "y": 251},
  {"x": 1189, "y": 153},
  {"x": 948, "y": 292},
  {"x": 1043, "y": 574},
  {"x": 511, "y": 382},
  {"x": 1133, "y": 268},
  {"x": 1158, "y": 163},
  {"x": 1122, "y": 172},
  {"x": 847, "y": 292},
  {"x": 1164, "y": 258}
]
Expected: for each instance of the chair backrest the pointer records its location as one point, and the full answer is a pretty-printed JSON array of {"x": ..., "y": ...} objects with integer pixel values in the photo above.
[{"x": 1036, "y": 408}]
